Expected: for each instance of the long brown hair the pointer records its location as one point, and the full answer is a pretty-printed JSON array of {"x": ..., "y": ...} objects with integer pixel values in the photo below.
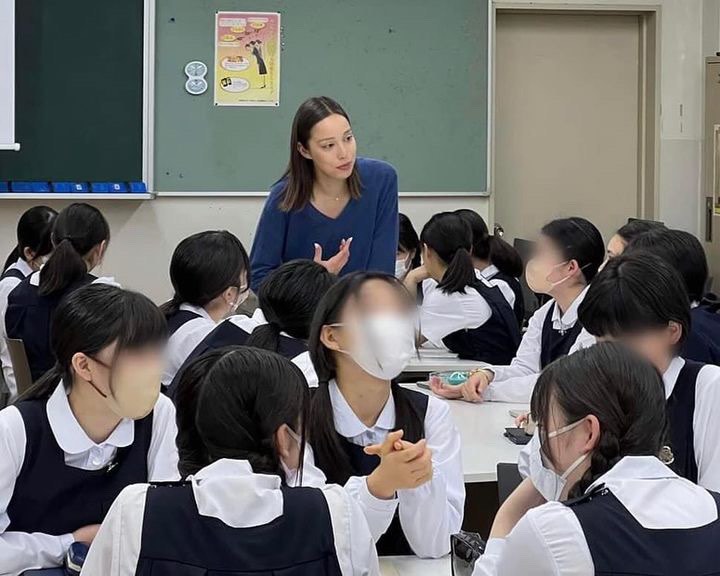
[{"x": 300, "y": 173}]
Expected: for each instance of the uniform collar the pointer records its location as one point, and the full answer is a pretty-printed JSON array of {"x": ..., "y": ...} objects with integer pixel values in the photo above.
[
  {"x": 23, "y": 267},
  {"x": 634, "y": 468},
  {"x": 568, "y": 320},
  {"x": 199, "y": 310},
  {"x": 230, "y": 491},
  {"x": 671, "y": 375},
  {"x": 490, "y": 272},
  {"x": 348, "y": 425},
  {"x": 35, "y": 278},
  {"x": 71, "y": 437}
]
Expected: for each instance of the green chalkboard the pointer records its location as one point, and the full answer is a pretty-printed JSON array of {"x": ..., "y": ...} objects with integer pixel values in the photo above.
[
  {"x": 412, "y": 74},
  {"x": 79, "y": 91}
]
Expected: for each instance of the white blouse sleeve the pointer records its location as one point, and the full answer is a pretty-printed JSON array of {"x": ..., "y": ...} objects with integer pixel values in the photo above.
[
  {"x": 163, "y": 454},
  {"x": 705, "y": 425},
  {"x": 548, "y": 541},
  {"x": 354, "y": 545},
  {"x": 20, "y": 551},
  {"x": 442, "y": 314},
  {"x": 431, "y": 513},
  {"x": 378, "y": 513},
  {"x": 116, "y": 548}
]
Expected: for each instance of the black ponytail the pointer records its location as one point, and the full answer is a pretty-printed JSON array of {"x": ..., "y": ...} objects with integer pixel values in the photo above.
[
  {"x": 231, "y": 402},
  {"x": 203, "y": 266},
  {"x": 77, "y": 230},
  {"x": 450, "y": 237},
  {"x": 505, "y": 258},
  {"x": 330, "y": 455},
  {"x": 622, "y": 390},
  {"x": 89, "y": 320},
  {"x": 288, "y": 299},
  {"x": 34, "y": 231}
]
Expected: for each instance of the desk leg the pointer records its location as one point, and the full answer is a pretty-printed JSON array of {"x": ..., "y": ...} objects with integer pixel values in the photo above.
[{"x": 481, "y": 505}]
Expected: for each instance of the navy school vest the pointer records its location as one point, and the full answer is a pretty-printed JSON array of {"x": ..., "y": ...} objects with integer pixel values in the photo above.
[
  {"x": 554, "y": 343},
  {"x": 229, "y": 334},
  {"x": 516, "y": 287},
  {"x": 178, "y": 541},
  {"x": 621, "y": 546},
  {"x": 28, "y": 318},
  {"x": 681, "y": 413},
  {"x": 393, "y": 542},
  {"x": 53, "y": 498},
  {"x": 178, "y": 319},
  {"x": 13, "y": 273},
  {"x": 496, "y": 341}
]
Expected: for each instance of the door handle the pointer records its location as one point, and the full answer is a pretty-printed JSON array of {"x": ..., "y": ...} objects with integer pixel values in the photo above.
[{"x": 709, "y": 210}]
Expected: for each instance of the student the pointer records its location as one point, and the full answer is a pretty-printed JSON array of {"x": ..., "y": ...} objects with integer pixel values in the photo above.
[
  {"x": 408, "y": 252},
  {"x": 567, "y": 256},
  {"x": 639, "y": 299},
  {"x": 627, "y": 233},
  {"x": 242, "y": 418},
  {"x": 497, "y": 261},
  {"x": 288, "y": 299},
  {"x": 209, "y": 272},
  {"x": 80, "y": 238},
  {"x": 413, "y": 497},
  {"x": 328, "y": 200},
  {"x": 685, "y": 253},
  {"x": 602, "y": 420},
  {"x": 460, "y": 311},
  {"x": 34, "y": 245},
  {"x": 91, "y": 426}
]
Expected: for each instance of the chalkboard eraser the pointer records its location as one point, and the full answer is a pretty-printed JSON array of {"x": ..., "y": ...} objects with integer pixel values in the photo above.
[
  {"x": 70, "y": 187},
  {"x": 138, "y": 187},
  {"x": 30, "y": 187},
  {"x": 108, "y": 187}
]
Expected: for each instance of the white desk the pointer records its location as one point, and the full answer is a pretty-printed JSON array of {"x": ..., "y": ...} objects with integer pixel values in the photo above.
[
  {"x": 481, "y": 429},
  {"x": 411, "y": 566},
  {"x": 439, "y": 363}
]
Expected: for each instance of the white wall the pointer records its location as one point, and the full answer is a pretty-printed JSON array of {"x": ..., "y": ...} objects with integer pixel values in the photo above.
[{"x": 144, "y": 234}]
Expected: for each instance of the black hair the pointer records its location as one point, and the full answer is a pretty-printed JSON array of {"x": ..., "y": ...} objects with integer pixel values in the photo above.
[
  {"x": 622, "y": 390},
  {"x": 491, "y": 247},
  {"x": 683, "y": 252},
  {"x": 578, "y": 239},
  {"x": 89, "y": 320},
  {"x": 635, "y": 228},
  {"x": 288, "y": 298},
  {"x": 634, "y": 293},
  {"x": 34, "y": 231},
  {"x": 231, "y": 402},
  {"x": 76, "y": 231},
  {"x": 409, "y": 241},
  {"x": 450, "y": 237},
  {"x": 330, "y": 456},
  {"x": 203, "y": 266}
]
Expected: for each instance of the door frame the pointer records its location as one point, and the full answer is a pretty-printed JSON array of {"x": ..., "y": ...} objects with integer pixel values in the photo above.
[{"x": 649, "y": 89}]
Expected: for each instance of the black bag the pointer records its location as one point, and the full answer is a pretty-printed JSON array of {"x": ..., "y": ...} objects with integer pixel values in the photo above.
[{"x": 465, "y": 549}]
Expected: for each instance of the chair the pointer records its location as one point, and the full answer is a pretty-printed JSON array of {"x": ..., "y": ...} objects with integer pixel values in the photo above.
[
  {"x": 508, "y": 478},
  {"x": 19, "y": 361}
]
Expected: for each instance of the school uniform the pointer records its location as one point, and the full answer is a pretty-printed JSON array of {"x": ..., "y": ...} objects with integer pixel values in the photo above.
[
  {"x": 511, "y": 289},
  {"x": 54, "y": 479},
  {"x": 638, "y": 518},
  {"x": 550, "y": 335},
  {"x": 477, "y": 324},
  {"x": 186, "y": 327},
  {"x": 235, "y": 331},
  {"x": 693, "y": 402},
  {"x": 703, "y": 341},
  {"x": 8, "y": 282},
  {"x": 229, "y": 520},
  {"x": 418, "y": 521},
  {"x": 29, "y": 317}
]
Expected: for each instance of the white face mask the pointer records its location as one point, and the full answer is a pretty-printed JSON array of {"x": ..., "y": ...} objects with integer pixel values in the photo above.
[
  {"x": 383, "y": 344},
  {"x": 546, "y": 480},
  {"x": 402, "y": 267}
]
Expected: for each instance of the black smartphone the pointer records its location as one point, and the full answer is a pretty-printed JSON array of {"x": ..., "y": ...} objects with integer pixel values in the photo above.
[{"x": 517, "y": 436}]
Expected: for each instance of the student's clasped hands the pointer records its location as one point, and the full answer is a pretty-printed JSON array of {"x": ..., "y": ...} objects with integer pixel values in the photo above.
[{"x": 403, "y": 466}]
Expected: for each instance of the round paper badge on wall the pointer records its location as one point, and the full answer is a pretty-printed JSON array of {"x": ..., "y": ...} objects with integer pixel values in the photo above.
[{"x": 196, "y": 72}]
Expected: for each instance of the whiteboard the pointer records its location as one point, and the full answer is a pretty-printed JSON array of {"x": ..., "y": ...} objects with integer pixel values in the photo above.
[{"x": 7, "y": 75}]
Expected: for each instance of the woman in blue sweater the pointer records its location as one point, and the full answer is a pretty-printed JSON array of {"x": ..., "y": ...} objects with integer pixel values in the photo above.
[{"x": 330, "y": 206}]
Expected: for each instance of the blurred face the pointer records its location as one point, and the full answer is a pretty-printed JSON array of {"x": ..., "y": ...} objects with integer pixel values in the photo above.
[
  {"x": 657, "y": 346},
  {"x": 616, "y": 246},
  {"x": 549, "y": 270},
  {"x": 403, "y": 262},
  {"x": 331, "y": 147}
]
